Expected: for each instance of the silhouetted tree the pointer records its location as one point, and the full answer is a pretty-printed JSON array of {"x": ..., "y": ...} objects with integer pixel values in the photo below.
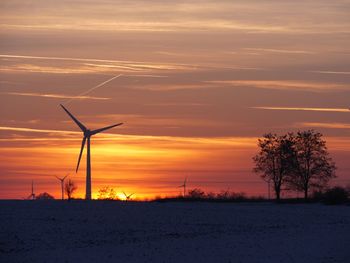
[
  {"x": 224, "y": 194},
  {"x": 312, "y": 166},
  {"x": 210, "y": 195},
  {"x": 196, "y": 193},
  {"x": 44, "y": 196},
  {"x": 106, "y": 193},
  {"x": 70, "y": 187},
  {"x": 273, "y": 162}
]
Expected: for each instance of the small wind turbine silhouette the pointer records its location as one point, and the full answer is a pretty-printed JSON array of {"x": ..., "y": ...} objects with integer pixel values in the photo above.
[
  {"x": 87, "y": 135},
  {"x": 184, "y": 186},
  {"x": 62, "y": 184},
  {"x": 127, "y": 197},
  {"x": 32, "y": 195}
]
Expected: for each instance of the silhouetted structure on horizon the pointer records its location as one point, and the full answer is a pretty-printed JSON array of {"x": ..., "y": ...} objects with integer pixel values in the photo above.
[
  {"x": 62, "y": 184},
  {"x": 32, "y": 195},
  {"x": 86, "y": 139},
  {"x": 184, "y": 186}
]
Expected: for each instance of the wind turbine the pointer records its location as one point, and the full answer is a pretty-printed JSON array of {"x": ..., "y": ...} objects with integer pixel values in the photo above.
[
  {"x": 127, "y": 197},
  {"x": 32, "y": 195},
  {"x": 87, "y": 135},
  {"x": 62, "y": 184},
  {"x": 184, "y": 186}
]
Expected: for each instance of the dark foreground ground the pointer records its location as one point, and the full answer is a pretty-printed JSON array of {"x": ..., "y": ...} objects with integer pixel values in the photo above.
[{"x": 39, "y": 231}]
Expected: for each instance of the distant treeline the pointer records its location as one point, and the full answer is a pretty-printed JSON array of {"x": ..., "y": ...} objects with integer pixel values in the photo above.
[{"x": 335, "y": 195}]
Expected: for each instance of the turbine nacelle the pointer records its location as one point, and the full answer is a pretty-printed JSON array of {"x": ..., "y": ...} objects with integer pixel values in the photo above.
[{"x": 87, "y": 133}]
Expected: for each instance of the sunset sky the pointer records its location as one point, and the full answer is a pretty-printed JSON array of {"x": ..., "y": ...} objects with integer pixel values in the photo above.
[{"x": 198, "y": 83}]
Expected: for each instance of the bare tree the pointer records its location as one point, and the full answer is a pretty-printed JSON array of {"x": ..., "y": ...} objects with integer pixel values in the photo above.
[
  {"x": 273, "y": 162},
  {"x": 70, "y": 187},
  {"x": 224, "y": 194},
  {"x": 196, "y": 193},
  {"x": 106, "y": 193},
  {"x": 313, "y": 168}
]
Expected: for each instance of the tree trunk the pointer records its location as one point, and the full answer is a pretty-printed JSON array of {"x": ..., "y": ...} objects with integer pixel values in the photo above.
[
  {"x": 306, "y": 190},
  {"x": 278, "y": 194}
]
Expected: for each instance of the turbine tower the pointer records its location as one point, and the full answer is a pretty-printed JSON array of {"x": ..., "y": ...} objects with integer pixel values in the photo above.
[
  {"x": 62, "y": 184},
  {"x": 32, "y": 195},
  {"x": 184, "y": 186},
  {"x": 86, "y": 139}
]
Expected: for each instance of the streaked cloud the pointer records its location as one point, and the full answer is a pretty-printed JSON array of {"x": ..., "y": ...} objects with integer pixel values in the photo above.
[
  {"x": 53, "y": 96},
  {"x": 173, "y": 87},
  {"x": 45, "y": 69},
  {"x": 325, "y": 125},
  {"x": 284, "y": 85},
  {"x": 146, "y": 76},
  {"x": 165, "y": 26},
  {"x": 177, "y": 104},
  {"x": 24, "y": 129},
  {"x": 182, "y": 16},
  {"x": 90, "y": 67},
  {"x": 282, "y": 51},
  {"x": 229, "y": 141},
  {"x": 332, "y": 72},
  {"x": 343, "y": 110}
]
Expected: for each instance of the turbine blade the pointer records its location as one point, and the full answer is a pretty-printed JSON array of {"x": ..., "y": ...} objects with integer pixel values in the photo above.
[
  {"x": 81, "y": 152},
  {"x": 64, "y": 177},
  {"x": 81, "y": 126},
  {"x": 105, "y": 128}
]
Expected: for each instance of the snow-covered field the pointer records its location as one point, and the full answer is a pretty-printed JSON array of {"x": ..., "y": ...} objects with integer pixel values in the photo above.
[{"x": 39, "y": 231}]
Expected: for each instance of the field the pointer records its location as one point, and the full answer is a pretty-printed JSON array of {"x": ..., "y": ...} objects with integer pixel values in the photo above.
[{"x": 40, "y": 231}]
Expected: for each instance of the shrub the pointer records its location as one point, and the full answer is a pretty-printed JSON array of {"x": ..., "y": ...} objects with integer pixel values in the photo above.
[
  {"x": 44, "y": 196},
  {"x": 336, "y": 195},
  {"x": 106, "y": 193}
]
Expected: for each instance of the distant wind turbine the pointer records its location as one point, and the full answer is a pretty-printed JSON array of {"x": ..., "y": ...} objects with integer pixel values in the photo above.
[
  {"x": 184, "y": 186},
  {"x": 87, "y": 134},
  {"x": 127, "y": 197},
  {"x": 62, "y": 184},
  {"x": 32, "y": 195}
]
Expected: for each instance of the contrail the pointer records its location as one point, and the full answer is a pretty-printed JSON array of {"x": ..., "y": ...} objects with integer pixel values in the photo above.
[{"x": 93, "y": 88}]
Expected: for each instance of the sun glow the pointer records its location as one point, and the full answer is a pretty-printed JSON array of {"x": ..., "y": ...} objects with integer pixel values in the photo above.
[
  {"x": 144, "y": 165},
  {"x": 194, "y": 84}
]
